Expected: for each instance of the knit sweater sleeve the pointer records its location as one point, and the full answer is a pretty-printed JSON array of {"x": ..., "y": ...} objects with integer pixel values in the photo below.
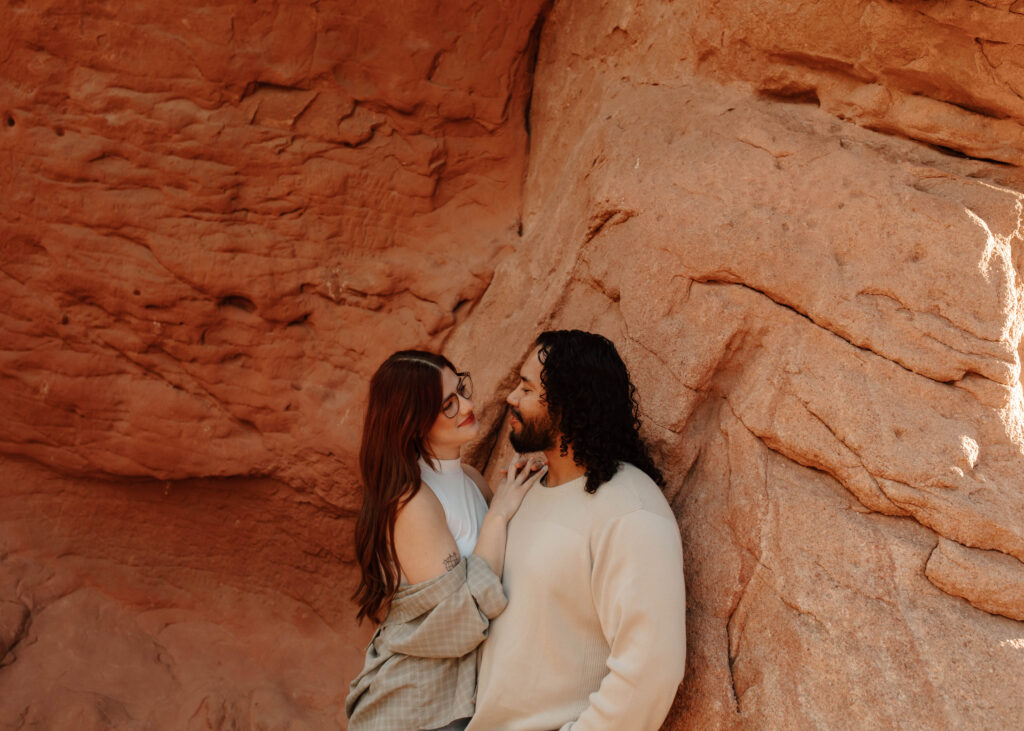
[{"x": 640, "y": 600}]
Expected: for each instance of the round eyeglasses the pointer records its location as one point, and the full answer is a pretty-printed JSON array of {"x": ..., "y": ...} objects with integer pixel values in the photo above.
[{"x": 450, "y": 406}]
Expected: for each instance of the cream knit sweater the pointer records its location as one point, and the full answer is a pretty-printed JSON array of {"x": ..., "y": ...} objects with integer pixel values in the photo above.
[{"x": 594, "y": 633}]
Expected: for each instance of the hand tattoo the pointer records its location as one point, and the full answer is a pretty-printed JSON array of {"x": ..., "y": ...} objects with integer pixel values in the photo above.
[{"x": 451, "y": 561}]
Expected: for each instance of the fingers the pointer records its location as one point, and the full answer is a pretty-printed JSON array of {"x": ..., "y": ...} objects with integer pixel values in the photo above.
[
  {"x": 514, "y": 465},
  {"x": 521, "y": 469},
  {"x": 528, "y": 470},
  {"x": 527, "y": 478},
  {"x": 536, "y": 476}
]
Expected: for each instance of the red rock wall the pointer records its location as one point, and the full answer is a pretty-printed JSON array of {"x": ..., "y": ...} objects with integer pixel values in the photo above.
[
  {"x": 208, "y": 210},
  {"x": 803, "y": 224},
  {"x": 217, "y": 221}
]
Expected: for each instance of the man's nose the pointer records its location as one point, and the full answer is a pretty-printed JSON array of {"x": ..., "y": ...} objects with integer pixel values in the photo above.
[{"x": 513, "y": 397}]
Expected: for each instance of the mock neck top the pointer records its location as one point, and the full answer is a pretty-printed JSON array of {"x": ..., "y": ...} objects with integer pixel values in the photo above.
[{"x": 464, "y": 506}]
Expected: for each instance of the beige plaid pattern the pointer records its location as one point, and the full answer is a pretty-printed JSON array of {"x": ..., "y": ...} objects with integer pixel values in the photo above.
[{"x": 420, "y": 668}]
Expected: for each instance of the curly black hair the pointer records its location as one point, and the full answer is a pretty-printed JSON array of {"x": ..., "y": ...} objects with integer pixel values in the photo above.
[{"x": 592, "y": 400}]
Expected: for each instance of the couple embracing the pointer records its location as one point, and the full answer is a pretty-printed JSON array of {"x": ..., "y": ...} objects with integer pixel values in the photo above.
[{"x": 570, "y": 567}]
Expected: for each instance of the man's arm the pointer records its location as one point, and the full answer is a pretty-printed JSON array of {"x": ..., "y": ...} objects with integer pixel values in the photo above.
[{"x": 641, "y": 602}]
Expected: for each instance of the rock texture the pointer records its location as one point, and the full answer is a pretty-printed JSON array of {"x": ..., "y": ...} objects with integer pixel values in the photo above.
[
  {"x": 180, "y": 605},
  {"x": 207, "y": 209},
  {"x": 825, "y": 325},
  {"x": 802, "y": 223},
  {"x": 216, "y": 222}
]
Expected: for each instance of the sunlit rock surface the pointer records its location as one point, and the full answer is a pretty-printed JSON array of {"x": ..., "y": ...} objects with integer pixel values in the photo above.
[
  {"x": 802, "y": 224},
  {"x": 825, "y": 325}
]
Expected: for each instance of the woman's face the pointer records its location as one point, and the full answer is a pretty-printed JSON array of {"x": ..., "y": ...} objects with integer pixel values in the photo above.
[{"x": 448, "y": 434}]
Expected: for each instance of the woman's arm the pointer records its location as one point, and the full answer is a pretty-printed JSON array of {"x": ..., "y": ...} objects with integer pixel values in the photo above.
[
  {"x": 424, "y": 544},
  {"x": 519, "y": 478}
]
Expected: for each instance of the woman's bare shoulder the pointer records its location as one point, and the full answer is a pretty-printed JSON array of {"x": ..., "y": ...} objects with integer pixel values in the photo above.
[
  {"x": 423, "y": 542},
  {"x": 422, "y": 510}
]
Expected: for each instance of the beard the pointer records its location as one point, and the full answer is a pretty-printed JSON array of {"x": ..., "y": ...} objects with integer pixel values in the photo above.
[{"x": 536, "y": 435}]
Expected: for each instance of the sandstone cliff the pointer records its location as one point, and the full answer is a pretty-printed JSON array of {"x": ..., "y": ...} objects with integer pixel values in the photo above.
[{"x": 802, "y": 223}]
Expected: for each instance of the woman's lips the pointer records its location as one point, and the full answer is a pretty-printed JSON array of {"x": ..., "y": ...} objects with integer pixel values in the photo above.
[{"x": 468, "y": 420}]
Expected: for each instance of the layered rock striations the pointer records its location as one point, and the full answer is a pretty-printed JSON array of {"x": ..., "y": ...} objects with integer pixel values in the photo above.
[
  {"x": 217, "y": 220},
  {"x": 821, "y": 301},
  {"x": 802, "y": 224},
  {"x": 207, "y": 209}
]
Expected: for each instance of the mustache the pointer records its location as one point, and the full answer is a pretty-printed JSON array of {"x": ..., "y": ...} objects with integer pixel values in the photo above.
[{"x": 515, "y": 413}]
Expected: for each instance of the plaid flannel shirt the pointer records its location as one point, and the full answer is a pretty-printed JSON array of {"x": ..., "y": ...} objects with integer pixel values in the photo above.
[{"x": 420, "y": 668}]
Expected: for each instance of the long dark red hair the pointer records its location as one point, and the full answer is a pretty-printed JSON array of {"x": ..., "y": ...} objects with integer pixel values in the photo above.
[{"x": 405, "y": 399}]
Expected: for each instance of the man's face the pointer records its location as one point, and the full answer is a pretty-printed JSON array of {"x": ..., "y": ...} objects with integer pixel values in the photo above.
[{"x": 532, "y": 430}]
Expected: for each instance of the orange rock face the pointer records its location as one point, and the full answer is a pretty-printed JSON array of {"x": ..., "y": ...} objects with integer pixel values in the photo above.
[
  {"x": 825, "y": 325},
  {"x": 802, "y": 224},
  {"x": 217, "y": 222},
  {"x": 208, "y": 212}
]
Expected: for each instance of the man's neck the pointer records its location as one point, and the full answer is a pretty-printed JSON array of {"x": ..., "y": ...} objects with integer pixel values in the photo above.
[{"x": 561, "y": 469}]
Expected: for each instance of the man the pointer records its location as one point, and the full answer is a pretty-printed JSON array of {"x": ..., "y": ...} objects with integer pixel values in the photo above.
[{"x": 593, "y": 636}]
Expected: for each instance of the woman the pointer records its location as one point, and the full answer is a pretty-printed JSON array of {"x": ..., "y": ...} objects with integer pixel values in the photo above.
[{"x": 430, "y": 549}]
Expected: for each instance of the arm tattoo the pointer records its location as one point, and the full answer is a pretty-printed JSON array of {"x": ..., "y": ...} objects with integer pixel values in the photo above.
[{"x": 451, "y": 561}]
